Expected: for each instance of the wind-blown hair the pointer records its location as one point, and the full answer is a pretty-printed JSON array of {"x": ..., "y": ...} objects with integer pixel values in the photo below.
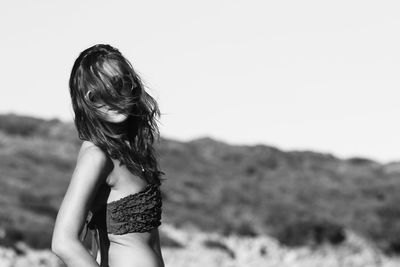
[{"x": 102, "y": 73}]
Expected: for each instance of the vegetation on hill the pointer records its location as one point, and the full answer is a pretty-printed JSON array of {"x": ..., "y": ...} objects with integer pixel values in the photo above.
[{"x": 300, "y": 197}]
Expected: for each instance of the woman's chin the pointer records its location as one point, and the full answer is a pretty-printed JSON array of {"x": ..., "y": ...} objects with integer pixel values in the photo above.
[{"x": 117, "y": 118}]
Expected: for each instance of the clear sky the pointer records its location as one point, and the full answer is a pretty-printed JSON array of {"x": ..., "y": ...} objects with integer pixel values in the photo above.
[{"x": 315, "y": 75}]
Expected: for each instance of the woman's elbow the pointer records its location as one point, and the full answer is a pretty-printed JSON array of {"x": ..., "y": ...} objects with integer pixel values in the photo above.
[
  {"x": 57, "y": 245},
  {"x": 61, "y": 246}
]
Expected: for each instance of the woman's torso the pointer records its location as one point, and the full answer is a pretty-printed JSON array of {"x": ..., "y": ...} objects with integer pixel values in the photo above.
[{"x": 129, "y": 249}]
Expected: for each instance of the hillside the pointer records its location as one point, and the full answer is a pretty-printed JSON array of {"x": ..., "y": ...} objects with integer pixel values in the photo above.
[{"x": 299, "y": 197}]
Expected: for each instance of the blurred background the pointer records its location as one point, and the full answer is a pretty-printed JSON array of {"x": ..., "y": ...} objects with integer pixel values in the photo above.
[{"x": 279, "y": 133}]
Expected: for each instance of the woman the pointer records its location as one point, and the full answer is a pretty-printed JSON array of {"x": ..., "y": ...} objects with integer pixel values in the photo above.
[{"x": 114, "y": 191}]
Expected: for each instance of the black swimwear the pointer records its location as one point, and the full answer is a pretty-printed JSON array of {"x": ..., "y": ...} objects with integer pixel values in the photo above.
[{"x": 138, "y": 212}]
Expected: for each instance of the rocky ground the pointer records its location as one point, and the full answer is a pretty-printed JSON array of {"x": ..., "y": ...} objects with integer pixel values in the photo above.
[{"x": 208, "y": 249}]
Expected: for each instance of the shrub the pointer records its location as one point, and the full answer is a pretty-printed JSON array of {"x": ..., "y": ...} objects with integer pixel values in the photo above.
[
  {"x": 11, "y": 237},
  {"x": 246, "y": 229},
  {"x": 219, "y": 245},
  {"x": 38, "y": 204},
  {"x": 38, "y": 239},
  {"x": 393, "y": 247},
  {"x": 167, "y": 241},
  {"x": 360, "y": 161},
  {"x": 309, "y": 232},
  {"x": 243, "y": 228}
]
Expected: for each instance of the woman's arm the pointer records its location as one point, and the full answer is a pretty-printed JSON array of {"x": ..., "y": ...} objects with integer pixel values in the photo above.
[
  {"x": 157, "y": 246},
  {"x": 92, "y": 169}
]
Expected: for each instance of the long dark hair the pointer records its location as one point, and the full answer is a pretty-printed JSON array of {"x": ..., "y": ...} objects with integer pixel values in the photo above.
[{"x": 102, "y": 73}]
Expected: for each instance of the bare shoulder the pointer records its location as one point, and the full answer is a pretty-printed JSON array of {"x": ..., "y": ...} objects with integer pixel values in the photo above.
[
  {"x": 88, "y": 147},
  {"x": 91, "y": 152}
]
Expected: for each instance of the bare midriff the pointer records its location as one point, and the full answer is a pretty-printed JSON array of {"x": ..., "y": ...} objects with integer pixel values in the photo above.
[
  {"x": 130, "y": 249},
  {"x": 135, "y": 249}
]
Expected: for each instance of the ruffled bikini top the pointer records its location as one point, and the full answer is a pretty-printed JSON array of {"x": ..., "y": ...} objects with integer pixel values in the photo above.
[{"x": 138, "y": 212}]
